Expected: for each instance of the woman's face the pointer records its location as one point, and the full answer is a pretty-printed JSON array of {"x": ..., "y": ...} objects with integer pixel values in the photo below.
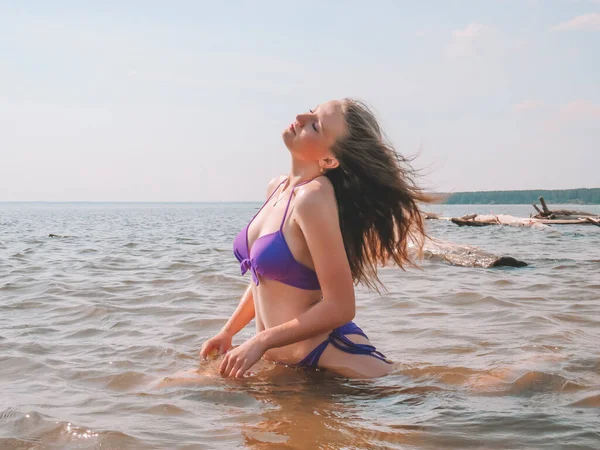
[{"x": 313, "y": 133}]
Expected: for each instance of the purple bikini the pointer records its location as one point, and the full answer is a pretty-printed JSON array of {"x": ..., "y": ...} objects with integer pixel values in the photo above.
[{"x": 271, "y": 258}]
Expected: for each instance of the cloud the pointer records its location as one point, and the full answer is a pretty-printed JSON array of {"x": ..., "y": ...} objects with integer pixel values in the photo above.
[
  {"x": 527, "y": 105},
  {"x": 468, "y": 42},
  {"x": 472, "y": 30},
  {"x": 581, "y": 109},
  {"x": 577, "y": 112},
  {"x": 586, "y": 22}
]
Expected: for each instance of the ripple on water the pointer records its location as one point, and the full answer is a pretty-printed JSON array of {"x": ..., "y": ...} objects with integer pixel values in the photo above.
[
  {"x": 123, "y": 381},
  {"x": 165, "y": 409},
  {"x": 534, "y": 382},
  {"x": 14, "y": 367},
  {"x": 103, "y": 330},
  {"x": 230, "y": 398},
  {"x": 33, "y": 430},
  {"x": 591, "y": 401}
]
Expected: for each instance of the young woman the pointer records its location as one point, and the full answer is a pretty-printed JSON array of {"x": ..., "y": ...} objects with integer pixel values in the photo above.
[{"x": 347, "y": 205}]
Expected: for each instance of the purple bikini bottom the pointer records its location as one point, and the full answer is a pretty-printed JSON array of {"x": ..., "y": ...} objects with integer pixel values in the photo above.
[{"x": 339, "y": 340}]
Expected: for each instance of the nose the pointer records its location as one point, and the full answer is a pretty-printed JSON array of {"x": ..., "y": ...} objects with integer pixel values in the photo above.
[{"x": 301, "y": 119}]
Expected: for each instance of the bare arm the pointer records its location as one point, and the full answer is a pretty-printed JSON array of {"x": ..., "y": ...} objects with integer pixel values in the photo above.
[
  {"x": 242, "y": 315},
  {"x": 317, "y": 216},
  {"x": 221, "y": 342},
  {"x": 316, "y": 212},
  {"x": 245, "y": 312}
]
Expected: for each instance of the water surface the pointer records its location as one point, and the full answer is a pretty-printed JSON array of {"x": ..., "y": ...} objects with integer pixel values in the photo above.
[{"x": 485, "y": 358}]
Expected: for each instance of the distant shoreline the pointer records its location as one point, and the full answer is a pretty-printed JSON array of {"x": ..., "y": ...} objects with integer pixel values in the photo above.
[{"x": 582, "y": 196}]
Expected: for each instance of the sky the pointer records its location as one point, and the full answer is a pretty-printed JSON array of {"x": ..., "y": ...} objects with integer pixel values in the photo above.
[{"x": 143, "y": 100}]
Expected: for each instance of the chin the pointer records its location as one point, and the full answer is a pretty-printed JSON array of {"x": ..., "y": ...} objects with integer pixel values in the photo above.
[{"x": 287, "y": 139}]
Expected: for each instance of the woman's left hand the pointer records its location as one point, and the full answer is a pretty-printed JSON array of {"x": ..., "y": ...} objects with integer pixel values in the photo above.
[{"x": 237, "y": 361}]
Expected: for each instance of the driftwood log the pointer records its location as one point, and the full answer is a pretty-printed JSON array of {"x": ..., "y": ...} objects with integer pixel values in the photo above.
[
  {"x": 471, "y": 222},
  {"x": 559, "y": 214},
  {"x": 482, "y": 220},
  {"x": 543, "y": 218},
  {"x": 594, "y": 221},
  {"x": 546, "y": 212},
  {"x": 503, "y": 219},
  {"x": 464, "y": 255}
]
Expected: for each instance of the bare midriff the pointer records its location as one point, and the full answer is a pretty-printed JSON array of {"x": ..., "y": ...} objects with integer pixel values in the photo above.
[{"x": 276, "y": 303}]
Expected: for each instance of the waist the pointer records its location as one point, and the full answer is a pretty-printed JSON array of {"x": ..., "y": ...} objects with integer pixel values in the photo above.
[{"x": 276, "y": 303}]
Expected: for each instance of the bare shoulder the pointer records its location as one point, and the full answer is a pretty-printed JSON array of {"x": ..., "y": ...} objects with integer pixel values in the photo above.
[
  {"x": 316, "y": 197},
  {"x": 276, "y": 181}
]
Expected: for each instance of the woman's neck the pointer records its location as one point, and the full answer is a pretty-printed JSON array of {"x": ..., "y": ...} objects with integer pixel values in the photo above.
[{"x": 302, "y": 171}]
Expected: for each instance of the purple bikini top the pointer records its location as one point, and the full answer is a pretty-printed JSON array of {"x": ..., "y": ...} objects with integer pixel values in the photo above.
[{"x": 270, "y": 256}]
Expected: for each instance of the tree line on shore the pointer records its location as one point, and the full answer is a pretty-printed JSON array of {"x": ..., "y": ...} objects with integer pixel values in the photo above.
[{"x": 564, "y": 196}]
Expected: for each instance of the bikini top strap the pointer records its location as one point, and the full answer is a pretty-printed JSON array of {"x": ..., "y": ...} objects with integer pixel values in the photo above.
[
  {"x": 270, "y": 197},
  {"x": 289, "y": 201}
]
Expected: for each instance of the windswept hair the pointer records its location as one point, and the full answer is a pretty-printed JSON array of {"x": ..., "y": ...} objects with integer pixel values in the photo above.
[{"x": 376, "y": 195}]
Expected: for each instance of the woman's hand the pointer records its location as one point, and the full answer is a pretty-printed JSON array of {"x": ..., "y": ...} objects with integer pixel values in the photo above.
[
  {"x": 239, "y": 360},
  {"x": 219, "y": 343}
]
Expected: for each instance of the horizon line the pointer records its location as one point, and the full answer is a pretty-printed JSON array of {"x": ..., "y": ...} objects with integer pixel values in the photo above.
[{"x": 262, "y": 200}]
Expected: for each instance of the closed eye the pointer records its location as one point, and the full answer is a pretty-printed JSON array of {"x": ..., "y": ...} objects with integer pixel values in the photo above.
[{"x": 314, "y": 125}]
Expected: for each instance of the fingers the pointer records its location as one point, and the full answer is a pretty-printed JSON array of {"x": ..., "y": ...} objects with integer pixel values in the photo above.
[
  {"x": 233, "y": 369},
  {"x": 226, "y": 365},
  {"x": 232, "y": 366},
  {"x": 206, "y": 348},
  {"x": 238, "y": 369},
  {"x": 211, "y": 346},
  {"x": 203, "y": 351},
  {"x": 242, "y": 370}
]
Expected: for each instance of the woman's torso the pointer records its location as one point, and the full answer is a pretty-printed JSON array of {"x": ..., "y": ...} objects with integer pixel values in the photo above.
[{"x": 277, "y": 302}]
